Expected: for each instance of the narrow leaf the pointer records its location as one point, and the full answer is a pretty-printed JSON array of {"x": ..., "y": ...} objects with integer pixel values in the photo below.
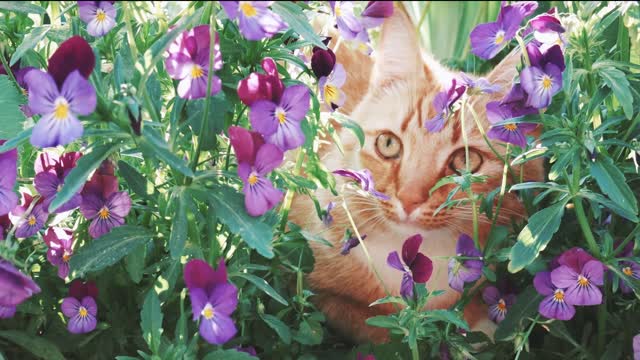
[
  {"x": 279, "y": 327},
  {"x": 178, "y": 236},
  {"x": 292, "y": 14},
  {"x": 618, "y": 83},
  {"x": 153, "y": 145},
  {"x": 613, "y": 183},
  {"x": 11, "y": 117},
  {"x": 36, "y": 345},
  {"x": 264, "y": 286},
  {"x": 29, "y": 42},
  {"x": 22, "y": 7},
  {"x": 350, "y": 124},
  {"x": 151, "y": 320}
]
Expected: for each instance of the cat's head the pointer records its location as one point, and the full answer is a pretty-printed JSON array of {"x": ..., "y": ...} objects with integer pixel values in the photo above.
[{"x": 405, "y": 159}]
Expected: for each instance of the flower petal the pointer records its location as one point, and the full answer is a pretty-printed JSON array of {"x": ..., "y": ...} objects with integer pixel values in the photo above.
[
  {"x": 268, "y": 158},
  {"x": 217, "y": 330},
  {"x": 262, "y": 117},
  {"x": 43, "y": 91},
  {"x": 199, "y": 300},
  {"x": 295, "y": 101},
  {"x": 70, "y": 306},
  {"x": 224, "y": 298},
  {"x": 542, "y": 283},
  {"x": 422, "y": 268},
  {"x": 410, "y": 249},
  {"x": 119, "y": 203},
  {"x": 74, "y": 53},
  {"x": 556, "y": 310},
  {"x": 393, "y": 260}
]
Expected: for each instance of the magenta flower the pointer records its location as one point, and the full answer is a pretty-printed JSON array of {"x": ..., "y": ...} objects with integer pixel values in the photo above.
[
  {"x": 60, "y": 244},
  {"x": 330, "y": 87},
  {"x": 213, "y": 300},
  {"x": 547, "y": 22},
  {"x": 466, "y": 270},
  {"x": 478, "y": 86},
  {"x": 554, "y": 305},
  {"x": 322, "y": 61},
  {"x": 5, "y": 225},
  {"x": 81, "y": 307},
  {"x": 105, "y": 214},
  {"x": 279, "y": 122},
  {"x": 73, "y": 54},
  {"x": 255, "y": 20},
  {"x": 261, "y": 86},
  {"x": 8, "y": 176},
  {"x": 375, "y": 12},
  {"x": 364, "y": 178},
  {"x": 188, "y": 61},
  {"x": 580, "y": 275},
  {"x": 100, "y": 16},
  {"x": 442, "y": 103},
  {"x": 255, "y": 160},
  {"x": 348, "y": 24},
  {"x": 103, "y": 182},
  {"x": 350, "y": 243},
  {"x": 498, "y": 304},
  {"x": 416, "y": 266},
  {"x": 49, "y": 181},
  {"x": 30, "y": 224},
  {"x": 513, "y": 133},
  {"x": 15, "y": 288}
]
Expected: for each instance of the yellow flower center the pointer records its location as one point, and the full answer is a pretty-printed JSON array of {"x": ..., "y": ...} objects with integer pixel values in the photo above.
[
  {"x": 558, "y": 296},
  {"x": 103, "y": 213},
  {"x": 31, "y": 220},
  {"x": 546, "y": 82},
  {"x": 101, "y": 15},
  {"x": 83, "y": 312},
  {"x": 582, "y": 281},
  {"x": 59, "y": 188},
  {"x": 196, "y": 71},
  {"x": 511, "y": 127},
  {"x": 499, "y": 37},
  {"x": 61, "y": 110},
  {"x": 25, "y": 92},
  {"x": 247, "y": 9},
  {"x": 253, "y": 179},
  {"x": 502, "y": 306},
  {"x": 627, "y": 271},
  {"x": 337, "y": 10},
  {"x": 66, "y": 257},
  {"x": 331, "y": 94},
  {"x": 281, "y": 115},
  {"x": 208, "y": 312}
]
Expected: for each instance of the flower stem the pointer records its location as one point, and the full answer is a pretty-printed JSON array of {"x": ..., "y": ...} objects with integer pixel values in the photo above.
[
  {"x": 581, "y": 215},
  {"x": 602, "y": 319},
  {"x": 130, "y": 35},
  {"x": 503, "y": 189},
  {"x": 474, "y": 208},
  {"x": 288, "y": 198},
  {"x": 626, "y": 240}
]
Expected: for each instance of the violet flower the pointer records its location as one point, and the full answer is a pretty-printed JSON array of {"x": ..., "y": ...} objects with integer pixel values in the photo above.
[
  {"x": 105, "y": 214},
  {"x": 73, "y": 54},
  {"x": 362, "y": 43},
  {"x": 103, "y": 182},
  {"x": 327, "y": 218},
  {"x": 629, "y": 268},
  {"x": 279, "y": 122},
  {"x": 478, "y": 86},
  {"x": 350, "y": 243},
  {"x": 543, "y": 78},
  {"x": 364, "y": 179},
  {"x": 48, "y": 182},
  {"x": 255, "y": 20},
  {"x": 213, "y": 300},
  {"x": 15, "y": 288},
  {"x": 547, "y": 22},
  {"x": 499, "y": 304},
  {"x": 348, "y": 24},
  {"x": 465, "y": 271},
  {"x": 5, "y": 225},
  {"x": 442, "y": 104},
  {"x": 188, "y": 61},
  {"x": 322, "y": 61},
  {"x": 330, "y": 86},
  {"x": 375, "y": 12},
  {"x": 261, "y": 86},
  {"x": 416, "y": 267},
  {"x": 32, "y": 223},
  {"x": 100, "y": 16},
  {"x": 513, "y": 133},
  {"x": 359, "y": 356},
  {"x": 249, "y": 350},
  {"x": 81, "y": 307},
  {"x": 580, "y": 275},
  {"x": 554, "y": 305},
  {"x": 60, "y": 244},
  {"x": 8, "y": 176},
  {"x": 255, "y": 160}
]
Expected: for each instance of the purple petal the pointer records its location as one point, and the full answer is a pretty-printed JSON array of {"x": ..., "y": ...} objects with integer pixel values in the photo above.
[
  {"x": 466, "y": 246},
  {"x": 288, "y": 136},
  {"x": 7, "y": 312},
  {"x": 261, "y": 197},
  {"x": 224, "y": 299},
  {"x": 194, "y": 88},
  {"x": 46, "y": 184},
  {"x": 436, "y": 124},
  {"x": 594, "y": 271},
  {"x": 351, "y": 243},
  {"x": 268, "y": 158},
  {"x": 406, "y": 286},
  {"x": 15, "y": 287},
  {"x": 43, "y": 91},
  {"x": 251, "y": 28},
  {"x": 199, "y": 300},
  {"x": 199, "y": 274},
  {"x": 575, "y": 258},
  {"x": 91, "y": 205},
  {"x": 8, "y": 200},
  {"x": 295, "y": 101},
  {"x": 40, "y": 216},
  {"x": 217, "y": 330},
  {"x": 87, "y": 10},
  {"x": 484, "y": 43},
  {"x": 99, "y": 28},
  {"x": 378, "y": 9},
  {"x": 231, "y": 8},
  {"x": 583, "y": 295},
  {"x": 262, "y": 117},
  {"x": 50, "y": 132},
  {"x": 8, "y": 164},
  {"x": 546, "y": 23},
  {"x": 422, "y": 268},
  {"x": 70, "y": 306},
  {"x": 491, "y": 295},
  {"x": 542, "y": 283},
  {"x": 244, "y": 144},
  {"x": 271, "y": 23},
  {"x": 564, "y": 277},
  {"x": 100, "y": 227},
  {"x": 556, "y": 309},
  {"x": 410, "y": 249},
  {"x": 119, "y": 204},
  {"x": 178, "y": 66},
  {"x": 393, "y": 260}
]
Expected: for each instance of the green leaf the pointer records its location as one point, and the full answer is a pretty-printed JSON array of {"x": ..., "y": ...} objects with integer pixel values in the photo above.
[
  {"x": 16, "y": 141},
  {"x": 151, "y": 321},
  {"x": 154, "y": 145},
  {"x": 22, "y": 7},
  {"x": 613, "y": 183},
  {"x": 292, "y": 14},
  {"x": 625, "y": 213},
  {"x": 389, "y": 300},
  {"x": 36, "y": 345},
  {"x": 310, "y": 333},
  {"x": 138, "y": 183},
  {"x": 536, "y": 235},
  {"x": 11, "y": 117},
  {"x": 178, "y": 236},
  {"x": 79, "y": 174},
  {"x": 228, "y": 355},
  {"x": 526, "y": 306},
  {"x": 279, "y": 327},
  {"x": 134, "y": 263},
  {"x": 449, "y": 317},
  {"x": 109, "y": 249},
  {"x": 350, "y": 124},
  {"x": 263, "y": 285},
  {"x": 214, "y": 121},
  {"x": 618, "y": 83},
  {"x": 383, "y": 321},
  {"x": 29, "y": 42}
]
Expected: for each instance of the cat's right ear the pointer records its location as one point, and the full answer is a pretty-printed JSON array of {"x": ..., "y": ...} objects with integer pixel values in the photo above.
[{"x": 398, "y": 54}]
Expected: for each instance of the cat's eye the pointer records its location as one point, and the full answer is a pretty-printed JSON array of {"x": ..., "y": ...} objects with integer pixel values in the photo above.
[
  {"x": 458, "y": 160},
  {"x": 388, "y": 146}
]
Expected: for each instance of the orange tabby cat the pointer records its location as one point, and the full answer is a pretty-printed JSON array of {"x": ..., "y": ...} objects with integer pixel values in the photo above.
[{"x": 390, "y": 97}]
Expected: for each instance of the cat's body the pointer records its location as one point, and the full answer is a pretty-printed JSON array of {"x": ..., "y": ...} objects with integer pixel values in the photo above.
[{"x": 392, "y": 96}]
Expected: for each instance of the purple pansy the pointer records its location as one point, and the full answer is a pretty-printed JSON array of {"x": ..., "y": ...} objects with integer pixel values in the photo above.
[
  {"x": 15, "y": 288},
  {"x": 580, "y": 280},
  {"x": 255, "y": 160},
  {"x": 365, "y": 179},
  {"x": 543, "y": 78},
  {"x": 350, "y": 243},
  {"x": 362, "y": 43},
  {"x": 279, "y": 121},
  {"x": 8, "y": 176},
  {"x": 60, "y": 244},
  {"x": 442, "y": 104},
  {"x": 5, "y": 225},
  {"x": 105, "y": 213},
  {"x": 554, "y": 305},
  {"x": 636, "y": 347},
  {"x": 375, "y": 12},
  {"x": 629, "y": 268},
  {"x": 213, "y": 300},
  {"x": 327, "y": 218},
  {"x": 30, "y": 224},
  {"x": 48, "y": 182},
  {"x": 249, "y": 350},
  {"x": 100, "y": 16},
  {"x": 73, "y": 54},
  {"x": 416, "y": 266},
  {"x": 330, "y": 88},
  {"x": 258, "y": 86},
  {"x": 468, "y": 270},
  {"x": 498, "y": 303},
  {"x": 81, "y": 313},
  {"x": 478, "y": 86},
  {"x": 547, "y": 22},
  {"x": 513, "y": 133},
  {"x": 255, "y": 20},
  {"x": 348, "y": 24},
  {"x": 103, "y": 182},
  {"x": 188, "y": 61}
]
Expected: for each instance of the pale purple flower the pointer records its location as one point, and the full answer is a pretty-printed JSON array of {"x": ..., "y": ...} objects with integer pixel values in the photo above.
[
  {"x": 82, "y": 314},
  {"x": 8, "y": 176},
  {"x": 30, "y": 224},
  {"x": 105, "y": 214},
  {"x": 442, "y": 104},
  {"x": 478, "y": 86},
  {"x": 60, "y": 244},
  {"x": 279, "y": 122},
  {"x": 543, "y": 78},
  {"x": 631, "y": 270},
  {"x": 15, "y": 288},
  {"x": 100, "y": 16},
  {"x": 375, "y": 12},
  {"x": 7, "y": 312},
  {"x": 327, "y": 218},
  {"x": 350, "y": 243},
  {"x": 416, "y": 267},
  {"x": 466, "y": 270},
  {"x": 513, "y": 133},
  {"x": 498, "y": 303},
  {"x": 348, "y": 24},
  {"x": 330, "y": 88},
  {"x": 582, "y": 285},
  {"x": 362, "y": 43},
  {"x": 20, "y": 79},
  {"x": 255, "y": 20},
  {"x": 365, "y": 179},
  {"x": 553, "y": 305},
  {"x": 636, "y": 347}
]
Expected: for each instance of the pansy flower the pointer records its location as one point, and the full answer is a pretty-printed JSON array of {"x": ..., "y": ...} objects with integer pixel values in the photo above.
[
  {"x": 364, "y": 179},
  {"x": 258, "y": 86},
  {"x": 554, "y": 305},
  {"x": 48, "y": 182},
  {"x": 280, "y": 121},
  {"x": 350, "y": 243},
  {"x": 478, "y": 86},
  {"x": 415, "y": 266},
  {"x": 330, "y": 86},
  {"x": 361, "y": 43},
  {"x": 255, "y": 20},
  {"x": 5, "y": 225},
  {"x": 60, "y": 244},
  {"x": 630, "y": 269},
  {"x": 488, "y": 39},
  {"x": 29, "y": 224},
  {"x": 73, "y": 54},
  {"x": 322, "y": 61},
  {"x": 100, "y": 16},
  {"x": 442, "y": 104},
  {"x": 213, "y": 300},
  {"x": 498, "y": 303},
  {"x": 105, "y": 214},
  {"x": 467, "y": 270},
  {"x": 81, "y": 307},
  {"x": 22, "y": 82},
  {"x": 327, "y": 218},
  {"x": 348, "y": 24},
  {"x": 255, "y": 160},
  {"x": 375, "y": 12},
  {"x": 8, "y": 176},
  {"x": 103, "y": 182},
  {"x": 15, "y": 288},
  {"x": 543, "y": 78},
  {"x": 580, "y": 275},
  {"x": 512, "y": 133}
]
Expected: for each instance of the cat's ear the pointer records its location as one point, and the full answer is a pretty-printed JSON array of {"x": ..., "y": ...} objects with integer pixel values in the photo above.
[
  {"x": 504, "y": 73},
  {"x": 398, "y": 53}
]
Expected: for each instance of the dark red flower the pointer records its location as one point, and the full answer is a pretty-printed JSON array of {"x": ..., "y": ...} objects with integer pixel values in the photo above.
[
  {"x": 322, "y": 61},
  {"x": 79, "y": 289},
  {"x": 262, "y": 86},
  {"x": 73, "y": 54}
]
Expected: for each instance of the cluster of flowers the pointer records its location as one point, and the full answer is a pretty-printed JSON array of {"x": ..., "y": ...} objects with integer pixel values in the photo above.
[{"x": 353, "y": 28}]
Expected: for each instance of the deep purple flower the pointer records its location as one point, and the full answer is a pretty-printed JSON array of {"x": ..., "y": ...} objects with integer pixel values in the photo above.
[
  {"x": 478, "y": 86},
  {"x": 442, "y": 104},
  {"x": 255, "y": 20},
  {"x": 631, "y": 270},
  {"x": 553, "y": 55},
  {"x": 553, "y": 305},
  {"x": 15, "y": 288},
  {"x": 498, "y": 304},
  {"x": 487, "y": 40},
  {"x": 73, "y": 54},
  {"x": 348, "y": 24},
  {"x": 5, "y": 225},
  {"x": 7, "y": 312},
  {"x": 350, "y": 244},
  {"x": 213, "y": 299},
  {"x": 59, "y": 165},
  {"x": 188, "y": 61},
  {"x": 261, "y": 86},
  {"x": 255, "y": 160},
  {"x": 375, "y": 12},
  {"x": 49, "y": 182},
  {"x": 79, "y": 289},
  {"x": 105, "y": 213},
  {"x": 322, "y": 61},
  {"x": 581, "y": 280},
  {"x": 100, "y": 16},
  {"x": 416, "y": 266},
  {"x": 364, "y": 178},
  {"x": 8, "y": 176},
  {"x": 547, "y": 22},
  {"x": 103, "y": 182},
  {"x": 81, "y": 313},
  {"x": 30, "y": 224},
  {"x": 513, "y": 133},
  {"x": 60, "y": 244},
  {"x": 464, "y": 271},
  {"x": 249, "y": 350},
  {"x": 327, "y": 218},
  {"x": 279, "y": 122},
  {"x": 330, "y": 87}
]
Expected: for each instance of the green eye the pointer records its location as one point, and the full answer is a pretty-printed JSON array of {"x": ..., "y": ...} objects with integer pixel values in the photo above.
[
  {"x": 388, "y": 146},
  {"x": 458, "y": 160}
]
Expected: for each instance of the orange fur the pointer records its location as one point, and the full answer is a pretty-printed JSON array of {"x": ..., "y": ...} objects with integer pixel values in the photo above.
[{"x": 394, "y": 94}]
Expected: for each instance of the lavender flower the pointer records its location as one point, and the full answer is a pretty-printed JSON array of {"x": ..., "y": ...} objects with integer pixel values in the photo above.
[
  {"x": 255, "y": 160},
  {"x": 350, "y": 244},
  {"x": 60, "y": 244},
  {"x": 416, "y": 266},
  {"x": 348, "y": 24},
  {"x": 105, "y": 213},
  {"x": 82, "y": 314},
  {"x": 15, "y": 288},
  {"x": 442, "y": 103},
  {"x": 375, "y": 12},
  {"x": 22, "y": 82},
  {"x": 579, "y": 274},
  {"x": 629, "y": 268},
  {"x": 513, "y": 133},
  {"x": 498, "y": 304},
  {"x": 543, "y": 78},
  {"x": 100, "y": 16},
  {"x": 478, "y": 86},
  {"x": 330, "y": 86},
  {"x": 30, "y": 224},
  {"x": 256, "y": 21},
  {"x": 279, "y": 122},
  {"x": 553, "y": 305},
  {"x": 364, "y": 179},
  {"x": 464, "y": 271},
  {"x": 213, "y": 299},
  {"x": 49, "y": 181},
  {"x": 8, "y": 176}
]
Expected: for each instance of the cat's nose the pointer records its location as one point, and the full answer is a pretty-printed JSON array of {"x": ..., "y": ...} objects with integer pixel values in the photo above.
[{"x": 411, "y": 198}]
